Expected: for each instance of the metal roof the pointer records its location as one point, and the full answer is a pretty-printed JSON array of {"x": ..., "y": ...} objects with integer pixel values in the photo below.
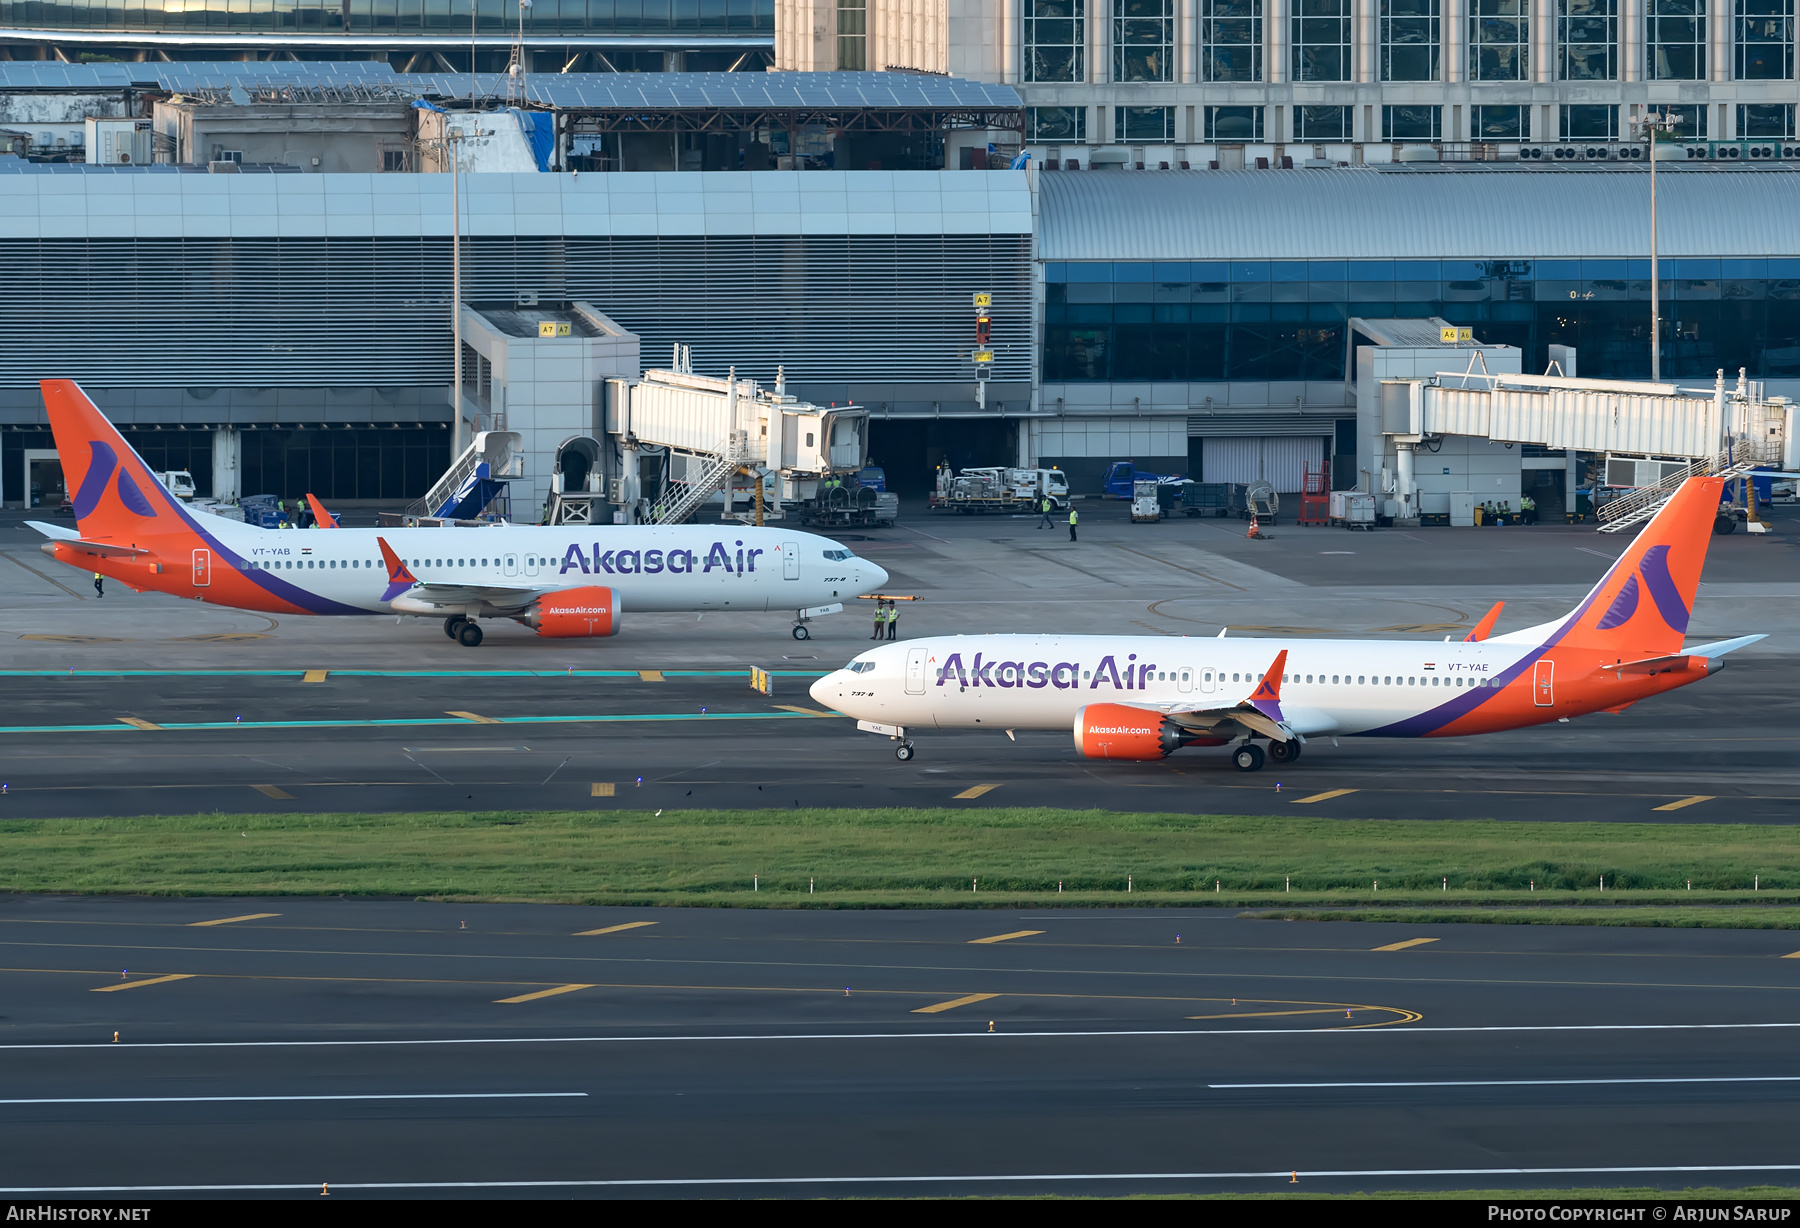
[
  {"x": 1375, "y": 215},
  {"x": 1416, "y": 334},
  {"x": 667, "y": 91},
  {"x": 48, "y": 74}
]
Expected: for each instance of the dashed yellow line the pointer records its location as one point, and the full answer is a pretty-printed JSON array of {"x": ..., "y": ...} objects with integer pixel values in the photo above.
[
  {"x": 953, "y": 1003},
  {"x": 136, "y": 722},
  {"x": 1004, "y": 937},
  {"x": 1684, "y": 803},
  {"x": 603, "y": 788},
  {"x": 1401, "y": 946},
  {"x": 249, "y": 916},
  {"x": 613, "y": 929},
  {"x": 802, "y": 711},
  {"x": 650, "y": 675},
  {"x": 1323, "y": 797},
  {"x": 315, "y": 675},
  {"x": 149, "y": 980},
  {"x": 543, "y": 993},
  {"x": 975, "y": 791},
  {"x": 471, "y": 716},
  {"x": 275, "y": 791}
]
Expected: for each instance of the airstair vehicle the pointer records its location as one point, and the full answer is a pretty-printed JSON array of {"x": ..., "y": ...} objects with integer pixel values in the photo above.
[{"x": 475, "y": 485}]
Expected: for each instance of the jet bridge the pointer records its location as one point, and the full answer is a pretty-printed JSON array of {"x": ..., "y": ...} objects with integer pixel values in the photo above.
[
  {"x": 680, "y": 438},
  {"x": 1663, "y": 432}
]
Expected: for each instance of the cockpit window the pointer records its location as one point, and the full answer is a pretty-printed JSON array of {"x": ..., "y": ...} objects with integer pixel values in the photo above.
[
  {"x": 837, "y": 556},
  {"x": 860, "y": 667}
]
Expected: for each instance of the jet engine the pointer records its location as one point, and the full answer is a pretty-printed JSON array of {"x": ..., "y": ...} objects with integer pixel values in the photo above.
[
  {"x": 574, "y": 613},
  {"x": 1114, "y": 731}
]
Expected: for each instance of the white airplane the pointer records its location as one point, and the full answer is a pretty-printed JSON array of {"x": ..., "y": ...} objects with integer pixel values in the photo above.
[
  {"x": 1141, "y": 697},
  {"x": 561, "y": 581}
]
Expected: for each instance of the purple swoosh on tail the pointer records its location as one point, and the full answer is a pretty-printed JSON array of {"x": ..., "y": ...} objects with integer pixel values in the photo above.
[
  {"x": 132, "y": 497},
  {"x": 1655, "y": 570},
  {"x": 1622, "y": 608},
  {"x": 100, "y": 469}
]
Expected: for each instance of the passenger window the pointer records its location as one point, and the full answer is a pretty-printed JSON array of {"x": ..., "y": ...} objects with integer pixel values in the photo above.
[
  {"x": 1360, "y": 679},
  {"x": 1387, "y": 680}
]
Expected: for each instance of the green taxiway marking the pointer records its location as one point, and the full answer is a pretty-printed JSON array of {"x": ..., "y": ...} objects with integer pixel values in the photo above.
[{"x": 414, "y": 722}]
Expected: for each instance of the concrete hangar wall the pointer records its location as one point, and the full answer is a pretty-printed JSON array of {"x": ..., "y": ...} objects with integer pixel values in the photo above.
[
  {"x": 303, "y": 320},
  {"x": 1199, "y": 320}
]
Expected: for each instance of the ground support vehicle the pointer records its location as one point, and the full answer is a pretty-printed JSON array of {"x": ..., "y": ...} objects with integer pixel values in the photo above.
[
  {"x": 1352, "y": 509},
  {"x": 841, "y": 507},
  {"x": 979, "y": 491},
  {"x": 1146, "y": 508},
  {"x": 1254, "y": 500},
  {"x": 1122, "y": 479},
  {"x": 1205, "y": 499}
]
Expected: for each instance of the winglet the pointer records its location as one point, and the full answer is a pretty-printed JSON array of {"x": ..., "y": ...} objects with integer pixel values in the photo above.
[
  {"x": 400, "y": 578},
  {"x": 1485, "y": 627},
  {"x": 326, "y": 519},
  {"x": 1266, "y": 698}
]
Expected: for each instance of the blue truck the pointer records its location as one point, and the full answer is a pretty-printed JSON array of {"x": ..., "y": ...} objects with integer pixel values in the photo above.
[{"x": 1123, "y": 474}]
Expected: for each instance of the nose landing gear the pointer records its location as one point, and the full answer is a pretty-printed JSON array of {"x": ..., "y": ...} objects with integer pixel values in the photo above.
[{"x": 904, "y": 751}]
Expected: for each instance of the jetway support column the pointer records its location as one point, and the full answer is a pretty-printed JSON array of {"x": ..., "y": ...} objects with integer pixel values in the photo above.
[{"x": 227, "y": 464}]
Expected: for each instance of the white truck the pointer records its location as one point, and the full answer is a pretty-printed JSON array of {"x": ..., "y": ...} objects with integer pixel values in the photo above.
[
  {"x": 179, "y": 482},
  {"x": 1146, "y": 507},
  {"x": 997, "y": 488}
]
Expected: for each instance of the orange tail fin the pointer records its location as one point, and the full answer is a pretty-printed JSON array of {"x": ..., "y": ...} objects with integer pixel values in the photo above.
[
  {"x": 1485, "y": 627},
  {"x": 117, "y": 498},
  {"x": 1641, "y": 606},
  {"x": 326, "y": 519}
]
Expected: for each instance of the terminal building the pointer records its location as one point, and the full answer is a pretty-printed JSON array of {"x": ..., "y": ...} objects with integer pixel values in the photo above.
[{"x": 285, "y": 327}]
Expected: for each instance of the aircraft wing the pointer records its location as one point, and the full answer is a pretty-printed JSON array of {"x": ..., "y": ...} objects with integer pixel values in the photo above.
[{"x": 429, "y": 598}]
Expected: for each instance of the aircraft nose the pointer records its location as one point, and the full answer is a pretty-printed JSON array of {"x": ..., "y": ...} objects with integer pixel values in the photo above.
[
  {"x": 879, "y": 573},
  {"x": 821, "y": 690}
]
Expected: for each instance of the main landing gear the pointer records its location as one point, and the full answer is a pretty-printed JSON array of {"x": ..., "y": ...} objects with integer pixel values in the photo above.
[
  {"x": 1248, "y": 757},
  {"x": 1285, "y": 752},
  {"x": 464, "y": 630}
]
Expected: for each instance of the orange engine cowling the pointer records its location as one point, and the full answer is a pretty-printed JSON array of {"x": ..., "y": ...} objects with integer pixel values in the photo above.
[
  {"x": 575, "y": 613},
  {"x": 1114, "y": 731}
]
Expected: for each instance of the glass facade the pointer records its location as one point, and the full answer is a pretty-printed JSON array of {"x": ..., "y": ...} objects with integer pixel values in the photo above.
[
  {"x": 340, "y": 464},
  {"x": 1144, "y": 124},
  {"x": 1055, "y": 40},
  {"x": 1322, "y": 123},
  {"x": 1321, "y": 34},
  {"x": 1508, "y": 123},
  {"x": 1587, "y": 40},
  {"x": 1143, "y": 40},
  {"x": 1763, "y": 121},
  {"x": 443, "y": 17},
  {"x": 1690, "y": 120},
  {"x": 1054, "y": 125},
  {"x": 1231, "y": 35},
  {"x": 1675, "y": 40},
  {"x": 1412, "y": 123},
  {"x": 1764, "y": 39},
  {"x": 1499, "y": 40},
  {"x": 1410, "y": 35},
  {"x": 1286, "y": 319},
  {"x": 1589, "y": 122},
  {"x": 1234, "y": 124},
  {"x": 852, "y": 35}
]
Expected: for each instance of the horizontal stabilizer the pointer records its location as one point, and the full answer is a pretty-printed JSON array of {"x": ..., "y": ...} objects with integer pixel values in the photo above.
[
  {"x": 105, "y": 550},
  {"x": 55, "y": 532},
  {"x": 1714, "y": 651}
]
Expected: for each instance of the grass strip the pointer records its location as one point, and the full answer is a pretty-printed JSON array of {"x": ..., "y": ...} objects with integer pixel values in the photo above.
[{"x": 938, "y": 857}]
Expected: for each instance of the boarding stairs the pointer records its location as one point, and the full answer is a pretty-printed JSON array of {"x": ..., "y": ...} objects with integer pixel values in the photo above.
[
  {"x": 475, "y": 485},
  {"x": 683, "y": 498},
  {"x": 1629, "y": 511}
]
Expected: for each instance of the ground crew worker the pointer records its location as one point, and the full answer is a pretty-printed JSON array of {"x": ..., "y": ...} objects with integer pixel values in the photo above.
[
  {"x": 98, "y": 590},
  {"x": 880, "y": 619},
  {"x": 893, "y": 620},
  {"x": 1528, "y": 506},
  {"x": 1074, "y": 519},
  {"x": 1044, "y": 518}
]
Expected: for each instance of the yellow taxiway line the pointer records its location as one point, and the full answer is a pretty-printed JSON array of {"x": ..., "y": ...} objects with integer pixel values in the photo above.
[
  {"x": 953, "y": 1003},
  {"x": 1323, "y": 797},
  {"x": 602, "y": 788},
  {"x": 249, "y": 916},
  {"x": 149, "y": 980},
  {"x": 613, "y": 929},
  {"x": 1401, "y": 946},
  {"x": 274, "y": 791},
  {"x": 1003, "y": 937},
  {"x": 974, "y": 791},
  {"x": 1684, "y": 803},
  {"x": 543, "y": 993}
]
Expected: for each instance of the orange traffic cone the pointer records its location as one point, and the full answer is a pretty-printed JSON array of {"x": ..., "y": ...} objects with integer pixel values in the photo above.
[{"x": 1255, "y": 529}]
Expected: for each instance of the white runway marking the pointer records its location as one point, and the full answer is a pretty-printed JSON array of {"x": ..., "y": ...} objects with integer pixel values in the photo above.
[
  {"x": 1520, "y": 1082},
  {"x": 942, "y": 1179},
  {"x": 259, "y": 1099},
  {"x": 1394, "y": 1029}
]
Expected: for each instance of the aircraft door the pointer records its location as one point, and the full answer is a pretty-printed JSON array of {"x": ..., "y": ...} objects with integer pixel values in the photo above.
[
  {"x": 531, "y": 564},
  {"x": 790, "y": 560},
  {"x": 1184, "y": 681},
  {"x": 1208, "y": 680},
  {"x": 915, "y": 671},
  {"x": 1543, "y": 694},
  {"x": 511, "y": 565},
  {"x": 202, "y": 568}
]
